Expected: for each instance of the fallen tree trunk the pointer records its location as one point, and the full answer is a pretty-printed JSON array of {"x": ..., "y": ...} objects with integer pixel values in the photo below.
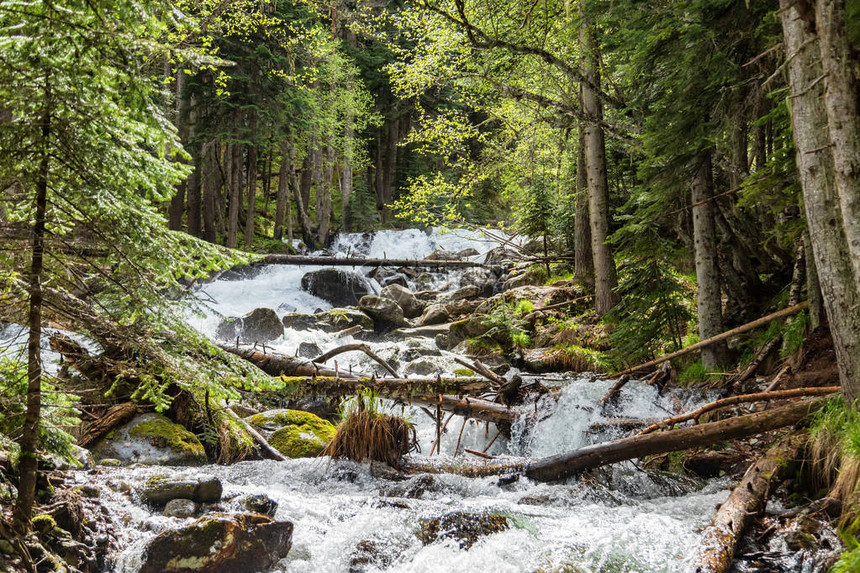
[
  {"x": 720, "y": 539},
  {"x": 792, "y": 310},
  {"x": 349, "y": 348},
  {"x": 113, "y": 418},
  {"x": 741, "y": 399},
  {"x": 483, "y": 410},
  {"x": 265, "y": 446},
  {"x": 565, "y": 465},
  {"x": 277, "y": 365},
  {"x": 613, "y": 392},
  {"x": 360, "y": 262},
  {"x": 405, "y": 389}
]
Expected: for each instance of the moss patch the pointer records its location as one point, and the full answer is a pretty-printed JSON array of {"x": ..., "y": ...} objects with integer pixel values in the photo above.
[
  {"x": 163, "y": 433},
  {"x": 299, "y": 434}
]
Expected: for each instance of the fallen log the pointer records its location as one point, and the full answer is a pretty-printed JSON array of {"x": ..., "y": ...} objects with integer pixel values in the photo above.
[
  {"x": 760, "y": 356},
  {"x": 361, "y": 262},
  {"x": 475, "y": 408},
  {"x": 613, "y": 392},
  {"x": 565, "y": 465},
  {"x": 792, "y": 310},
  {"x": 476, "y": 366},
  {"x": 349, "y": 348},
  {"x": 113, "y": 418},
  {"x": 720, "y": 539},
  {"x": 741, "y": 399},
  {"x": 278, "y": 365},
  {"x": 401, "y": 388},
  {"x": 265, "y": 446},
  {"x": 623, "y": 424}
]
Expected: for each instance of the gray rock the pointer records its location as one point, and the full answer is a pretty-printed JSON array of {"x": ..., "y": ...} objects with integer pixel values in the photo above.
[
  {"x": 220, "y": 543},
  {"x": 299, "y": 321},
  {"x": 422, "y": 367},
  {"x": 260, "y": 503},
  {"x": 309, "y": 350},
  {"x": 434, "y": 314},
  {"x": 500, "y": 256},
  {"x": 462, "y": 293},
  {"x": 441, "y": 255},
  {"x": 404, "y": 298},
  {"x": 339, "y": 319},
  {"x": 338, "y": 287},
  {"x": 160, "y": 489},
  {"x": 151, "y": 439},
  {"x": 261, "y": 325},
  {"x": 395, "y": 279},
  {"x": 465, "y": 253},
  {"x": 180, "y": 507},
  {"x": 531, "y": 277},
  {"x": 386, "y": 313}
]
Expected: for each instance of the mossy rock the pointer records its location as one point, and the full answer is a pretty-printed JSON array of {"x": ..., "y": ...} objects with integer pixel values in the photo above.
[
  {"x": 463, "y": 527},
  {"x": 295, "y": 433},
  {"x": 152, "y": 439},
  {"x": 338, "y": 319}
]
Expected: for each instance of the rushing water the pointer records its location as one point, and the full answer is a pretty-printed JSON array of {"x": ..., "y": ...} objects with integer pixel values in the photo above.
[{"x": 621, "y": 520}]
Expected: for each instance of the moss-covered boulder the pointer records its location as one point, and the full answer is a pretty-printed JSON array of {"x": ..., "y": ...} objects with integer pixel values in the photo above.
[
  {"x": 151, "y": 439},
  {"x": 220, "y": 543},
  {"x": 386, "y": 314},
  {"x": 338, "y": 319},
  {"x": 295, "y": 433}
]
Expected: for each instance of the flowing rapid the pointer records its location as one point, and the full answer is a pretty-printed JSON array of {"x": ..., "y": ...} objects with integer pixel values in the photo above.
[{"x": 348, "y": 519}]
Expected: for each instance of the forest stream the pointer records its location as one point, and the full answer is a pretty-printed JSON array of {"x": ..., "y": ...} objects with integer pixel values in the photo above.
[{"x": 623, "y": 519}]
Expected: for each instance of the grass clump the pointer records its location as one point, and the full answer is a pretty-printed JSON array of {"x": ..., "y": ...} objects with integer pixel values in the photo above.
[
  {"x": 366, "y": 432},
  {"x": 834, "y": 452}
]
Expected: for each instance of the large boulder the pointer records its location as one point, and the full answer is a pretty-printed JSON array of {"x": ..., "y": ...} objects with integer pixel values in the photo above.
[
  {"x": 336, "y": 286},
  {"x": 386, "y": 314},
  {"x": 471, "y": 327},
  {"x": 462, "y": 293},
  {"x": 300, "y": 321},
  {"x": 294, "y": 433},
  {"x": 259, "y": 325},
  {"x": 151, "y": 439},
  {"x": 411, "y": 306},
  {"x": 219, "y": 543},
  {"x": 434, "y": 314},
  {"x": 501, "y": 256},
  {"x": 532, "y": 276},
  {"x": 338, "y": 319}
]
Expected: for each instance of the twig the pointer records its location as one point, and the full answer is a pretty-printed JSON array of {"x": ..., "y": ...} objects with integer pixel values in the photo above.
[{"x": 350, "y": 347}]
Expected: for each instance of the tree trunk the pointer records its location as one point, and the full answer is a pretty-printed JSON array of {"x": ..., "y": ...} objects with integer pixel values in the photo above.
[
  {"x": 194, "y": 196},
  {"x": 306, "y": 179},
  {"x": 177, "y": 204},
  {"x": 722, "y": 537},
  {"x": 252, "y": 184},
  {"x": 565, "y": 465},
  {"x": 283, "y": 201},
  {"x": 346, "y": 177},
  {"x": 710, "y": 308},
  {"x": 29, "y": 441},
  {"x": 235, "y": 193},
  {"x": 211, "y": 181},
  {"x": 605, "y": 279},
  {"x": 583, "y": 259},
  {"x": 301, "y": 206},
  {"x": 324, "y": 195},
  {"x": 825, "y": 218}
]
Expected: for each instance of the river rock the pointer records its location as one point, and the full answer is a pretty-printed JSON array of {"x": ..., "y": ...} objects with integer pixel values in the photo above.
[
  {"x": 404, "y": 298},
  {"x": 180, "y": 508},
  {"x": 336, "y": 286},
  {"x": 441, "y": 255},
  {"x": 422, "y": 367},
  {"x": 500, "y": 256},
  {"x": 294, "y": 433},
  {"x": 259, "y": 503},
  {"x": 386, "y": 313},
  {"x": 299, "y": 321},
  {"x": 309, "y": 350},
  {"x": 338, "y": 319},
  {"x": 259, "y": 325},
  {"x": 220, "y": 543},
  {"x": 462, "y": 293},
  {"x": 395, "y": 279},
  {"x": 532, "y": 276},
  {"x": 151, "y": 439},
  {"x": 468, "y": 328},
  {"x": 465, "y": 253},
  {"x": 434, "y": 314},
  {"x": 463, "y": 527},
  {"x": 160, "y": 489}
]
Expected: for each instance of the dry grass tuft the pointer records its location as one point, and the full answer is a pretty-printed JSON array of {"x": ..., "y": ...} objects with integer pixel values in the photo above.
[{"x": 367, "y": 433}]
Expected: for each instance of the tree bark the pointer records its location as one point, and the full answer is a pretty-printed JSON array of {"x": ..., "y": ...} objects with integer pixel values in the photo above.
[
  {"x": 324, "y": 208},
  {"x": 116, "y": 416},
  {"x": 605, "y": 279},
  {"x": 30, "y": 432},
  {"x": 177, "y": 204},
  {"x": 825, "y": 217},
  {"x": 235, "y": 193},
  {"x": 707, "y": 268},
  {"x": 251, "y": 184},
  {"x": 565, "y": 465},
  {"x": 722, "y": 537},
  {"x": 360, "y": 262},
  {"x": 283, "y": 202},
  {"x": 583, "y": 259},
  {"x": 211, "y": 181},
  {"x": 301, "y": 205}
]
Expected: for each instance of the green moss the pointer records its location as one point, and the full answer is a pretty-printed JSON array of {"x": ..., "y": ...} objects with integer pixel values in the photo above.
[
  {"x": 163, "y": 433},
  {"x": 43, "y": 523},
  {"x": 301, "y": 434},
  {"x": 464, "y": 372}
]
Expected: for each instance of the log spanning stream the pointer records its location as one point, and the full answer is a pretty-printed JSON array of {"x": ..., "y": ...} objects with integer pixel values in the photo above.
[{"x": 347, "y": 518}]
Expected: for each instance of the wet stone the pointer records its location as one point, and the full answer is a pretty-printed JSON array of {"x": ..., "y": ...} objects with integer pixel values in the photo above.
[
  {"x": 260, "y": 503},
  {"x": 465, "y": 528},
  {"x": 181, "y": 508}
]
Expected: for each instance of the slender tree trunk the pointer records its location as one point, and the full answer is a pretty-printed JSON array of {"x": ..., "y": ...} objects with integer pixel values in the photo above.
[
  {"x": 346, "y": 176},
  {"x": 710, "y": 307},
  {"x": 605, "y": 279},
  {"x": 235, "y": 193},
  {"x": 252, "y": 184},
  {"x": 30, "y": 432},
  {"x": 194, "y": 180},
  {"x": 826, "y": 220},
  {"x": 324, "y": 208},
  {"x": 267, "y": 182},
  {"x": 304, "y": 220},
  {"x": 177, "y": 204},
  {"x": 283, "y": 201},
  {"x": 583, "y": 259},
  {"x": 211, "y": 182},
  {"x": 306, "y": 180}
]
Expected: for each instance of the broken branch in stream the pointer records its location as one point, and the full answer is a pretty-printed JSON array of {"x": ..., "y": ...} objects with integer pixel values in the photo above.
[
  {"x": 350, "y": 347},
  {"x": 741, "y": 399}
]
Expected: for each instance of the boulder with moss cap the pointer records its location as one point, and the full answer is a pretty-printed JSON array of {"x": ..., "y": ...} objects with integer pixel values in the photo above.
[
  {"x": 151, "y": 439},
  {"x": 294, "y": 433}
]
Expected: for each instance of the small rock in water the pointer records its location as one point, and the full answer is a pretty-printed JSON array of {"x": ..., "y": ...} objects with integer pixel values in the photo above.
[
  {"x": 464, "y": 527},
  {"x": 309, "y": 350},
  {"x": 220, "y": 543},
  {"x": 160, "y": 489},
  {"x": 260, "y": 503},
  {"x": 180, "y": 507}
]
